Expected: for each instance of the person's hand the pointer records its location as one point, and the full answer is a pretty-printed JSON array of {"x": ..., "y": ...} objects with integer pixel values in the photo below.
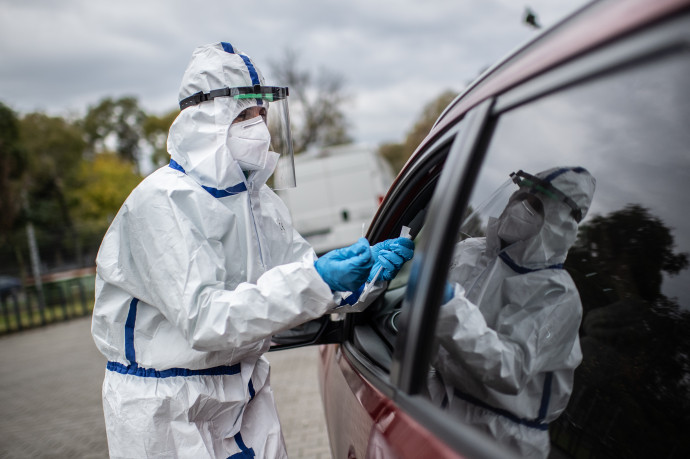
[
  {"x": 389, "y": 256},
  {"x": 346, "y": 269}
]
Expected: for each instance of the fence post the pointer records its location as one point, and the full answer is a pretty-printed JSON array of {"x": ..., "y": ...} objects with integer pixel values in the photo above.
[
  {"x": 41, "y": 307},
  {"x": 6, "y": 313},
  {"x": 82, "y": 295},
  {"x": 63, "y": 298},
  {"x": 41, "y": 310},
  {"x": 17, "y": 312}
]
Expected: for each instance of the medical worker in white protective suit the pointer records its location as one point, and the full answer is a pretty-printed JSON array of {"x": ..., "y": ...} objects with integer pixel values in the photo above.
[
  {"x": 508, "y": 340},
  {"x": 201, "y": 266}
]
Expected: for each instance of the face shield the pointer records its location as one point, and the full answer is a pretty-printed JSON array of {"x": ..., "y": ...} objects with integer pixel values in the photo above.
[
  {"x": 522, "y": 198},
  {"x": 274, "y": 99}
]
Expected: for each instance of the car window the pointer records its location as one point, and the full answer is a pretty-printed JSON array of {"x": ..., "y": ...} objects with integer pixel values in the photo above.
[
  {"x": 573, "y": 331},
  {"x": 375, "y": 331}
]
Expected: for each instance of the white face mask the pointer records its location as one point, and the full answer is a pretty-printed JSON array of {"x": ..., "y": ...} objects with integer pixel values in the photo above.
[
  {"x": 519, "y": 222},
  {"x": 248, "y": 142}
]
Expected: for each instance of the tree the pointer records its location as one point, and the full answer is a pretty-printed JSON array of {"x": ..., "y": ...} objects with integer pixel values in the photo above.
[
  {"x": 103, "y": 185},
  {"x": 632, "y": 248},
  {"x": 54, "y": 149},
  {"x": 54, "y": 183},
  {"x": 316, "y": 102},
  {"x": 398, "y": 153},
  {"x": 156, "y": 130},
  {"x": 119, "y": 122},
  {"x": 634, "y": 338},
  {"x": 12, "y": 166}
]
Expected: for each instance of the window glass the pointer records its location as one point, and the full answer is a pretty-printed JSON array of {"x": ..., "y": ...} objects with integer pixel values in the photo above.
[
  {"x": 577, "y": 334},
  {"x": 376, "y": 329}
]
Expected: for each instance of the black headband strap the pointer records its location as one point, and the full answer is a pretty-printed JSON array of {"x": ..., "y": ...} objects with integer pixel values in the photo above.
[
  {"x": 269, "y": 93},
  {"x": 548, "y": 189}
]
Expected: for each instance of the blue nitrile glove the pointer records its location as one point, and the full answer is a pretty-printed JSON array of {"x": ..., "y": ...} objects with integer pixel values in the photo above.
[
  {"x": 448, "y": 293},
  {"x": 389, "y": 256},
  {"x": 346, "y": 269}
]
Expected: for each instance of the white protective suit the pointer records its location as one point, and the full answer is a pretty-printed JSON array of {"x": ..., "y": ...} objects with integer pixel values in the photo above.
[
  {"x": 509, "y": 338},
  {"x": 197, "y": 271}
]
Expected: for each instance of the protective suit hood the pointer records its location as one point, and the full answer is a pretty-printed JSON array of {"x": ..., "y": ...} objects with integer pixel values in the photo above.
[
  {"x": 198, "y": 136},
  {"x": 549, "y": 247}
]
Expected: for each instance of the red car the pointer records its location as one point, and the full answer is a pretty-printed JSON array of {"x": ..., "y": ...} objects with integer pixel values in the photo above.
[{"x": 607, "y": 89}]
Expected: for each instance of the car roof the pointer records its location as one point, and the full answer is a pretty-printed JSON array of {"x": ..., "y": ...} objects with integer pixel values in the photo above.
[{"x": 593, "y": 25}]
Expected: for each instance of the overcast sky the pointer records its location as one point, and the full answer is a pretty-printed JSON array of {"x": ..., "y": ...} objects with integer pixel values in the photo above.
[{"x": 395, "y": 55}]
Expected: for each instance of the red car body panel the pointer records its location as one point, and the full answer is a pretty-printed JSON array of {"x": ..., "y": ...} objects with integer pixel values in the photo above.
[{"x": 363, "y": 422}]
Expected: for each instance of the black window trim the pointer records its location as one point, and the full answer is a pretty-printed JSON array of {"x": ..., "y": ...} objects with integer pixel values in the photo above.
[
  {"x": 377, "y": 376},
  {"x": 445, "y": 212},
  {"x": 418, "y": 314},
  {"x": 376, "y": 232}
]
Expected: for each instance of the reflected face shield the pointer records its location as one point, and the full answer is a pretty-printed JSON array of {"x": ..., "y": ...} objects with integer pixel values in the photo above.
[
  {"x": 274, "y": 98},
  {"x": 534, "y": 185},
  {"x": 531, "y": 190}
]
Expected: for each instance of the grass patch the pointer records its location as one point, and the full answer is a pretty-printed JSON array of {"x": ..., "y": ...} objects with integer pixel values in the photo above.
[{"x": 29, "y": 315}]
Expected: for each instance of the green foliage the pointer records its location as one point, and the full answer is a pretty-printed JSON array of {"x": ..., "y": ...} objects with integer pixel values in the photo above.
[
  {"x": 156, "y": 134},
  {"x": 53, "y": 176},
  {"x": 54, "y": 149},
  {"x": 118, "y": 121},
  {"x": 398, "y": 153},
  {"x": 103, "y": 185},
  {"x": 12, "y": 166}
]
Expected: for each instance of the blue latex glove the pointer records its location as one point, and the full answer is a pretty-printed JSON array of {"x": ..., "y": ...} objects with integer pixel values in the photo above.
[
  {"x": 448, "y": 293},
  {"x": 389, "y": 256},
  {"x": 346, "y": 269}
]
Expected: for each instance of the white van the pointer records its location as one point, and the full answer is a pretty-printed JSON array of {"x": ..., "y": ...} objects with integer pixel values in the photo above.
[{"x": 338, "y": 191}]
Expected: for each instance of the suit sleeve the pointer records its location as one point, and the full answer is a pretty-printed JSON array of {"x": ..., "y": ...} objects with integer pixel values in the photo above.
[
  {"x": 534, "y": 333},
  {"x": 161, "y": 257}
]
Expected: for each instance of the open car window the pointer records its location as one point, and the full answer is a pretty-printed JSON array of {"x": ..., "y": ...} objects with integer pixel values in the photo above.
[{"x": 374, "y": 331}]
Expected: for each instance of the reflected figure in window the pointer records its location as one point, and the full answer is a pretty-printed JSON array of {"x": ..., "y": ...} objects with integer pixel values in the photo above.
[{"x": 508, "y": 338}]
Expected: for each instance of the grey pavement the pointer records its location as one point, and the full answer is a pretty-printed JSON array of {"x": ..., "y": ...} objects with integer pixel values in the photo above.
[{"x": 50, "y": 396}]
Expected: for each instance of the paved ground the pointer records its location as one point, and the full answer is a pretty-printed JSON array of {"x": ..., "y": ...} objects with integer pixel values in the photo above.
[{"x": 50, "y": 396}]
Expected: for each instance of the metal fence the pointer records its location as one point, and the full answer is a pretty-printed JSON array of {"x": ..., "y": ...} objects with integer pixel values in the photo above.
[{"x": 62, "y": 296}]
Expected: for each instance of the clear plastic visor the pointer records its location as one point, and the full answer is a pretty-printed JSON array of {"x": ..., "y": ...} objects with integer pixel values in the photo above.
[
  {"x": 274, "y": 99},
  {"x": 520, "y": 186},
  {"x": 478, "y": 217},
  {"x": 278, "y": 122}
]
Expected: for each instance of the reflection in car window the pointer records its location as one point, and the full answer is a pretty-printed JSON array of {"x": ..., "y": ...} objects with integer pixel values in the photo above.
[
  {"x": 628, "y": 262},
  {"x": 511, "y": 331}
]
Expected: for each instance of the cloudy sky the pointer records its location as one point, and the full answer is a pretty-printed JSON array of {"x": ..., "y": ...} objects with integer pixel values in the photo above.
[{"x": 395, "y": 55}]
